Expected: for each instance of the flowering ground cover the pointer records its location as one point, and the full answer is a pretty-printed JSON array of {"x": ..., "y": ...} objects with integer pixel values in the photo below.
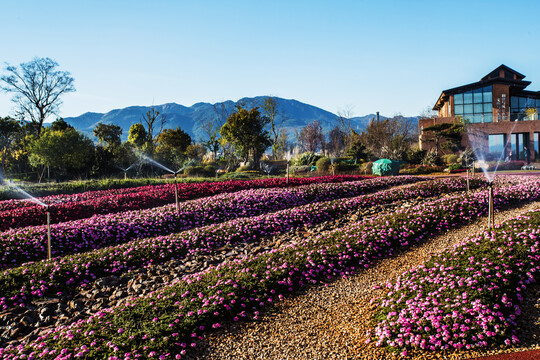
[
  {"x": 21, "y": 213},
  {"x": 168, "y": 322},
  {"x": 29, "y": 244},
  {"x": 22, "y": 284},
  {"x": 467, "y": 297}
]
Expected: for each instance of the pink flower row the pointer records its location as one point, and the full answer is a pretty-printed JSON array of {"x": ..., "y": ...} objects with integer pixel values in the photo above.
[{"x": 21, "y": 213}]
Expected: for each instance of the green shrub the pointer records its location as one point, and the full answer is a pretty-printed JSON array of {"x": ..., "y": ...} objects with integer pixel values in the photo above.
[
  {"x": 243, "y": 168},
  {"x": 210, "y": 170},
  {"x": 367, "y": 167},
  {"x": 307, "y": 158},
  {"x": 454, "y": 167},
  {"x": 343, "y": 166},
  {"x": 431, "y": 159},
  {"x": 202, "y": 171},
  {"x": 450, "y": 159},
  {"x": 234, "y": 176},
  {"x": 323, "y": 164},
  {"x": 415, "y": 155},
  {"x": 421, "y": 170},
  {"x": 300, "y": 169}
]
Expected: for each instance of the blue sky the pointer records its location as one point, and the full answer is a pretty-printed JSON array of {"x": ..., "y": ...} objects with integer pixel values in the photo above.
[{"x": 365, "y": 56}]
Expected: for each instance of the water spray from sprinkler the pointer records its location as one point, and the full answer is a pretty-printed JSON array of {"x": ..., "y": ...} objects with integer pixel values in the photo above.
[{"x": 176, "y": 191}]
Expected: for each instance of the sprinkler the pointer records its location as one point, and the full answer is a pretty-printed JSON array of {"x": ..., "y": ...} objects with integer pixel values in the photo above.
[
  {"x": 49, "y": 255},
  {"x": 287, "y": 171},
  {"x": 491, "y": 215},
  {"x": 467, "y": 180},
  {"x": 176, "y": 191}
]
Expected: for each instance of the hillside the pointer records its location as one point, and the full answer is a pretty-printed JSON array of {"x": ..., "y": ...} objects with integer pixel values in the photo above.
[{"x": 296, "y": 113}]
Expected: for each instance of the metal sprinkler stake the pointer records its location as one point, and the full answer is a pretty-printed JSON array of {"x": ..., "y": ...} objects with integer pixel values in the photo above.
[
  {"x": 467, "y": 180},
  {"x": 491, "y": 215},
  {"x": 176, "y": 192},
  {"x": 49, "y": 255}
]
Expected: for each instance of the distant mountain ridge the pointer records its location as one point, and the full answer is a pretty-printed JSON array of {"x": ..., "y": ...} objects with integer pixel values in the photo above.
[{"x": 296, "y": 113}]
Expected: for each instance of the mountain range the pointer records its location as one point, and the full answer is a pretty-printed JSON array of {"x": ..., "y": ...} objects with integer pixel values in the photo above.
[{"x": 295, "y": 113}]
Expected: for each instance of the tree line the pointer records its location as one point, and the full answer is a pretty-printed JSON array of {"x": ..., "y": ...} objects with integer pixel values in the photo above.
[{"x": 232, "y": 138}]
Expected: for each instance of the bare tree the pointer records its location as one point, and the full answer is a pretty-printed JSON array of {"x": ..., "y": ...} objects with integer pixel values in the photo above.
[
  {"x": 211, "y": 127},
  {"x": 311, "y": 137},
  {"x": 284, "y": 146},
  {"x": 152, "y": 119},
  {"x": 344, "y": 124},
  {"x": 389, "y": 138},
  {"x": 37, "y": 86},
  {"x": 336, "y": 141},
  {"x": 276, "y": 120}
]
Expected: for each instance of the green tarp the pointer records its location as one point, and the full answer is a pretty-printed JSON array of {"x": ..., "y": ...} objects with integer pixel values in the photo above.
[{"x": 386, "y": 167}]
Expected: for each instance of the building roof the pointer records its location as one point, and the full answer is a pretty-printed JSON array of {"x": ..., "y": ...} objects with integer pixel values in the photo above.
[{"x": 500, "y": 75}]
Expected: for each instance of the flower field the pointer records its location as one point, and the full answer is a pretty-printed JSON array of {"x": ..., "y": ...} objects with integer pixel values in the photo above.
[
  {"x": 168, "y": 322},
  {"x": 465, "y": 298},
  {"x": 39, "y": 279},
  {"x": 29, "y": 244},
  {"x": 22, "y": 213}
]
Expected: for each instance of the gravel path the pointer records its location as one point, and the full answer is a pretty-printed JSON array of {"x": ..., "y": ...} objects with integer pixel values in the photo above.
[{"x": 330, "y": 322}]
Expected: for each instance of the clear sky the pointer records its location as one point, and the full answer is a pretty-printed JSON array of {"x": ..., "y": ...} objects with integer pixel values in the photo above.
[{"x": 366, "y": 56}]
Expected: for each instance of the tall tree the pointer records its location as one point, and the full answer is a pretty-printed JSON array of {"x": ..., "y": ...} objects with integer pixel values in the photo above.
[
  {"x": 445, "y": 135},
  {"x": 8, "y": 130},
  {"x": 311, "y": 137},
  {"x": 60, "y": 125},
  {"x": 108, "y": 134},
  {"x": 270, "y": 108},
  {"x": 137, "y": 135},
  {"x": 172, "y": 146},
  {"x": 37, "y": 86},
  {"x": 245, "y": 130},
  {"x": 65, "y": 151}
]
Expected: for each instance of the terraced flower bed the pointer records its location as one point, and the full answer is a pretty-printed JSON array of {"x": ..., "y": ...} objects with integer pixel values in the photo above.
[
  {"x": 464, "y": 298},
  {"x": 22, "y": 284},
  {"x": 22, "y": 213},
  {"x": 18, "y": 246},
  {"x": 168, "y": 322}
]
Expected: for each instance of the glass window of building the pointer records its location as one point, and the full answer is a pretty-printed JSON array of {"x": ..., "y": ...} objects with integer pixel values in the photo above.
[
  {"x": 467, "y": 97},
  {"x": 536, "y": 145},
  {"x": 487, "y": 94},
  {"x": 497, "y": 145},
  {"x": 514, "y": 104},
  {"x": 518, "y": 105},
  {"x": 477, "y": 105},
  {"x": 477, "y": 96},
  {"x": 519, "y": 141}
]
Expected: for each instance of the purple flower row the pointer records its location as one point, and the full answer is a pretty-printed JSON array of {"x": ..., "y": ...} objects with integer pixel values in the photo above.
[
  {"x": 18, "y": 246},
  {"x": 168, "y": 322},
  {"x": 21, "y": 213},
  {"x": 34, "y": 280}
]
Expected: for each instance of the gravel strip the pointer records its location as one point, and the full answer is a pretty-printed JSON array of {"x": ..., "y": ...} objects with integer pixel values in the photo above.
[{"x": 330, "y": 322}]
